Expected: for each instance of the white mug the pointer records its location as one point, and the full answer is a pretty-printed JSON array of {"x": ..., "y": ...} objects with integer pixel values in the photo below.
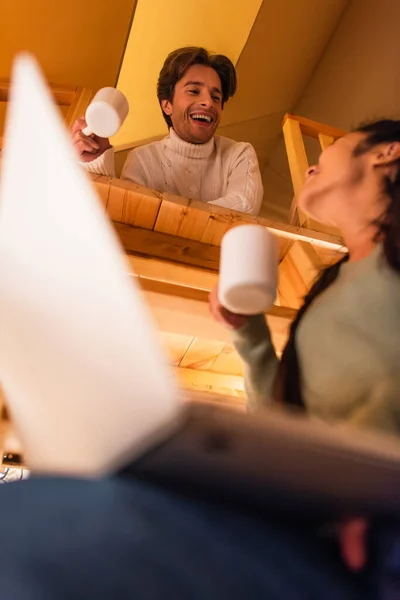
[
  {"x": 248, "y": 270},
  {"x": 106, "y": 113}
]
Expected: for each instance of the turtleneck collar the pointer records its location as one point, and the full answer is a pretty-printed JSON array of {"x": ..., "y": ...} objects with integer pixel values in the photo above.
[{"x": 176, "y": 144}]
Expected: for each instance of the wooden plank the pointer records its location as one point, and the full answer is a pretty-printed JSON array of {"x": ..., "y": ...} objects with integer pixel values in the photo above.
[
  {"x": 202, "y": 354},
  {"x": 328, "y": 257},
  {"x": 325, "y": 140},
  {"x": 178, "y": 276},
  {"x": 64, "y": 95},
  {"x": 312, "y": 129},
  {"x": 172, "y": 273},
  {"x": 175, "y": 346},
  {"x": 233, "y": 402},
  {"x": 102, "y": 186},
  {"x": 219, "y": 220},
  {"x": 228, "y": 361},
  {"x": 196, "y": 319},
  {"x": 307, "y": 262},
  {"x": 191, "y": 317},
  {"x": 80, "y": 101},
  {"x": 215, "y": 383},
  {"x": 298, "y": 163},
  {"x": 228, "y": 219},
  {"x": 222, "y": 221},
  {"x": 296, "y": 152},
  {"x": 143, "y": 242},
  {"x": 328, "y": 229},
  {"x": 279, "y": 319},
  {"x": 128, "y": 204},
  {"x": 291, "y": 287},
  {"x": 297, "y": 273},
  {"x": 179, "y": 219}
]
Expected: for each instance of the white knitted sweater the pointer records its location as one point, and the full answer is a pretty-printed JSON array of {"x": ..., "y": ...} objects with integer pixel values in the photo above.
[{"x": 221, "y": 172}]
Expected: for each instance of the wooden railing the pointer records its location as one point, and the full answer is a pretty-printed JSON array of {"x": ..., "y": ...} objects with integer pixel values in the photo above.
[
  {"x": 175, "y": 241},
  {"x": 72, "y": 99},
  {"x": 295, "y": 128}
]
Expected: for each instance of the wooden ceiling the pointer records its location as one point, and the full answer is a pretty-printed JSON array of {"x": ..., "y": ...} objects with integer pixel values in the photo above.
[{"x": 77, "y": 43}]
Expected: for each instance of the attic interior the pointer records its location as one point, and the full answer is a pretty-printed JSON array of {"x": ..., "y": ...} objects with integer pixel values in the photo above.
[{"x": 307, "y": 72}]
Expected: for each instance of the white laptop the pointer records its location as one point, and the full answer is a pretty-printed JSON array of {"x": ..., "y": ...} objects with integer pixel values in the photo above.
[{"x": 88, "y": 387}]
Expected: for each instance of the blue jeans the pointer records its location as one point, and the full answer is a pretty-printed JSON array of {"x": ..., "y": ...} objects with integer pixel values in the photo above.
[{"x": 70, "y": 539}]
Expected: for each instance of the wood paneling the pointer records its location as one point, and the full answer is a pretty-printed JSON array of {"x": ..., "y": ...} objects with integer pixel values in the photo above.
[
  {"x": 176, "y": 211},
  {"x": 143, "y": 242},
  {"x": 202, "y": 354},
  {"x": 214, "y": 383}
]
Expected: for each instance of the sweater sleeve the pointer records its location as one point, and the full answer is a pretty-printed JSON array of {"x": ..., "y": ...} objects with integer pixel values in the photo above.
[
  {"x": 245, "y": 190},
  {"x": 381, "y": 409},
  {"x": 254, "y": 345},
  {"x": 103, "y": 165},
  {"x": 133, "y": 170}
]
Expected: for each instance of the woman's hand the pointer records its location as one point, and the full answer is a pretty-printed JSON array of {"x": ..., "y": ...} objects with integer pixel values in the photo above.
[{"x": 224, "y": 316}]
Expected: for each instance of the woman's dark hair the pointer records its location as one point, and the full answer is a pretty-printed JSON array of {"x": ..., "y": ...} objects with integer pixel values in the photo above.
[
  {"x": 288, "y": 380},
  {"x": 179, "y": 61}
]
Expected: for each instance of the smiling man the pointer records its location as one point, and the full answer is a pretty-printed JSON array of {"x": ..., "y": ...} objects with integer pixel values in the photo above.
[{"x": 192, "y": 89}]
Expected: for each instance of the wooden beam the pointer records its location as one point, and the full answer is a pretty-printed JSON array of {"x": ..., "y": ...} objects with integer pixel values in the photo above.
[
  {"x": 297, "y": 272},
  {"x": 312, "y": 129},
  {"x": 294, "y": 276},
  {"x": 145, "y": 243},
  {"x": 131, "y": 204},
  {"x": 63, "y": 94},
  {"x": 298, "y": 164},
  {"x": 325, "y": 140},
  {"x": 320, "y": 239},
  {"x": 307, "y": 262},
  {"x": 296, "y": 152},
  {"x": 202, "y": 354},
  {"x": 172, "y": 273},
  {"x": 78, "y": 105},
  {"x": 174, "y": 312},
  {"x": 193, "y": 395},
  {"x": 214, "y": 383},
  {"x": 175, "y": 346}
]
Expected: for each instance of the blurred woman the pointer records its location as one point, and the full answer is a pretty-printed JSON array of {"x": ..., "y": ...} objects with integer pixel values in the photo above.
[{"x": 342, "y": 358}]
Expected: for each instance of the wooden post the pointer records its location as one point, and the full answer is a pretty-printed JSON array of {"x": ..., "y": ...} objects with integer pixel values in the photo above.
[
  {"x": 325, "y": 140},
  {"x": 80, "y": 102},
  {"x": 298, "y": 163}
]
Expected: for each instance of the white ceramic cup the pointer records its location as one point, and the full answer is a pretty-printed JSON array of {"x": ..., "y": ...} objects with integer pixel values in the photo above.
[
  {"x": 248, "y": 270},
  {"x": 106, "y": 113}
]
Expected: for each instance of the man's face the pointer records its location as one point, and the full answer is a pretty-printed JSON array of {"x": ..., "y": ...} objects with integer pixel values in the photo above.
[{"x": 196, "y": 107}]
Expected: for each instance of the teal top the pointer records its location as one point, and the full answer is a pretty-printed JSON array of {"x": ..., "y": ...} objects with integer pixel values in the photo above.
[{"x": 348, "y": 346}]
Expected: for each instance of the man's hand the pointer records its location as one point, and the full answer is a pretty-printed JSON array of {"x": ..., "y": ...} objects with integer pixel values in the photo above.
[
  {"x": 88, "y": 147},
  {"x": 224, "y": 316}
]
